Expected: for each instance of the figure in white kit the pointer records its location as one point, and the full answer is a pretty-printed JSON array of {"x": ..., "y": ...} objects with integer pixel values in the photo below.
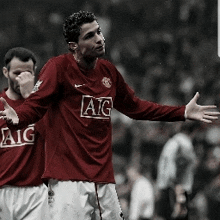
[{"x": 77, "y": 91}]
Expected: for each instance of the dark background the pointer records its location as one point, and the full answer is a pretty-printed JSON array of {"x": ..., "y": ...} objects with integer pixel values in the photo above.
[{"x": 165, "y": 49}]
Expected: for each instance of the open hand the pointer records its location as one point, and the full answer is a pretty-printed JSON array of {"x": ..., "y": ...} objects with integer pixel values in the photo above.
[
  {"x": 199, "y": 112},
  {"x": 9, "y": 113}
]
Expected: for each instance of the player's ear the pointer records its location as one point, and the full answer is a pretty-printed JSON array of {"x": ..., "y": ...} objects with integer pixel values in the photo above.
[
  {"x": 35, "y": 69},
  {"x": 73, "y": 46},
  {"x": 5, "y": 71}
]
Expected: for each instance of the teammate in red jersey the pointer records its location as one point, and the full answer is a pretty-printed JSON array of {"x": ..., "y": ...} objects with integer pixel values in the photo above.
[
  {"x": 22, "y": 192},
  {"x": 78, "y": 91}
]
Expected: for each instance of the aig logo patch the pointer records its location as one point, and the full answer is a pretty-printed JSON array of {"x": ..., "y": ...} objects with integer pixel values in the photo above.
[
  {"x": 17, "y": 138},
  {"x": 98, "y": 108}
]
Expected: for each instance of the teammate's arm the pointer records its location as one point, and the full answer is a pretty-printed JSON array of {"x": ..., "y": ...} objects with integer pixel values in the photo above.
[
  {"x": 26, "y": 83},
  {"x": 35, "y": 106}
]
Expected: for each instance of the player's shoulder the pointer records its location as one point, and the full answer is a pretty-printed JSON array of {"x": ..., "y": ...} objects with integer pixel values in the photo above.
[
  {"x": 107, "y": 64},
  {"x": 61, "y": 62},
  {"x": 61, "y": 59},
  {"x": 3, "y": 94}
]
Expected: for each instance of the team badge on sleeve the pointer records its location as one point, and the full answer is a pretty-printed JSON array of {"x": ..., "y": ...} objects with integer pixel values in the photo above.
[
  {"x": 37, "y": 85},
  {"x": 107, "y": 82}
]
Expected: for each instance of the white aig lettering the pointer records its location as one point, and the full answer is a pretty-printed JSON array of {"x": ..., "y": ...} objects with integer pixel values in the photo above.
[
  {"x": 99, "y": 108},
  {"x": 17, "y": 138}
]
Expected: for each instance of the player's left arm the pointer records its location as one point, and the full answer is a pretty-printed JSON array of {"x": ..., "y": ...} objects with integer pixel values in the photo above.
[{"x": 127, "y": 103}]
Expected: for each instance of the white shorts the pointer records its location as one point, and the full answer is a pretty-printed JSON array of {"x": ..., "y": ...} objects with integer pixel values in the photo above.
[
  {"x": 23, "y": 203},
  {"x": 77, "y": 200}
]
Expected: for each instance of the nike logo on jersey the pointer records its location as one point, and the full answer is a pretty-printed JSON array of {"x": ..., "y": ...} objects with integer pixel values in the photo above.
[{"x": 79, "y": 85}]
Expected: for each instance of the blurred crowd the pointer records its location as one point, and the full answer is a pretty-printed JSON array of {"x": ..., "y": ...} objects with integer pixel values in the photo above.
[{"x": 166, "y": 50}]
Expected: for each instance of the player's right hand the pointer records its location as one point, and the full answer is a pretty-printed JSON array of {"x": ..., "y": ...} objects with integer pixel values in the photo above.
[
  {"x": 9, "y": 114},
  {"x": 26, "y": 83}
]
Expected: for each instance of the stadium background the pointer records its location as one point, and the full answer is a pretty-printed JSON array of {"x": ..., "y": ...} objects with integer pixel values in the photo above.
[{"x": 165, "y": 49}]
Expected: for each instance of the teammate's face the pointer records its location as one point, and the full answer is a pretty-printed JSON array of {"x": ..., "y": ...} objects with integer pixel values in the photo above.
[
  {"x": 16, "y": 67},
  {"x": 91, "y": 42}
]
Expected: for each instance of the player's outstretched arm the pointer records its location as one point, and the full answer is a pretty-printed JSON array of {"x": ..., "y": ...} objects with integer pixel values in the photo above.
[
  {"x": 206, "y": 113},
  {"x": 9, "y": 113}
]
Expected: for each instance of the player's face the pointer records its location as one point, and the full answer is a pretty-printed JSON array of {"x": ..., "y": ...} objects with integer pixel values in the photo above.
[
  {"x": 16, "y": 67},
  {"x": 91, "y": 42}
]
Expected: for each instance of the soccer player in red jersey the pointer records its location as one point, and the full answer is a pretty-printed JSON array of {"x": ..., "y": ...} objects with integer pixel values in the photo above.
[
  {"x": 23, "y": 195},
  {"x": 77, "y": 91}
]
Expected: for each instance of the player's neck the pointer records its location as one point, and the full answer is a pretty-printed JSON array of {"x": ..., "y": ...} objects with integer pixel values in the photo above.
[
  {"x": 12, "y": 95},
  {"x": 86, "y": 63}
]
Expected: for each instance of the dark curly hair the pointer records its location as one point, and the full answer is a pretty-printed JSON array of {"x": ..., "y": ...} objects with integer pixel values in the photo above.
[{"x": 73, "y": 23}]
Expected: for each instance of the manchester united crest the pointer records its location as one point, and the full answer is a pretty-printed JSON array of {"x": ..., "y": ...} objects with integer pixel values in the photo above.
[{"x": 107, "y": 82}]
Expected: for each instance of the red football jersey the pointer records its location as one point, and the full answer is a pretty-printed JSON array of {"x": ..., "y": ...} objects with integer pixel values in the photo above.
[
  {"x": 79, "y": 104},
  {"x": 21, "y": 153}
]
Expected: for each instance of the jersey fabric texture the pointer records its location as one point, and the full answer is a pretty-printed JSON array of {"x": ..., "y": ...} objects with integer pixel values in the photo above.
[
  {"x": 79, "y": 104},
  {"x": 21, "y": 152}
]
